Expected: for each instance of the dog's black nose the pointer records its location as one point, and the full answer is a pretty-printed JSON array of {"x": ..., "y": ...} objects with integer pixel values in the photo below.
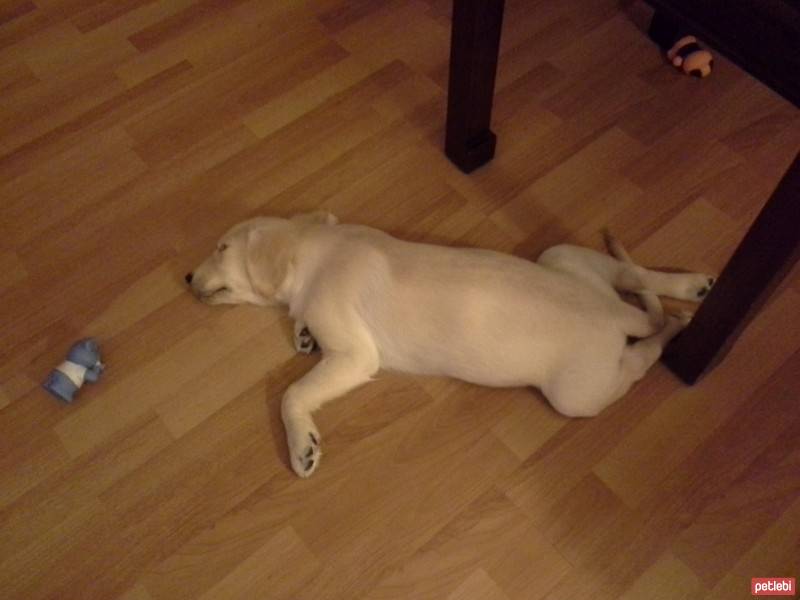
[{"x": 189, "y": 278}]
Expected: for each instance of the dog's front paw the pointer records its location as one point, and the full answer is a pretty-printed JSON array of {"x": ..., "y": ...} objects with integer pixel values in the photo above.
[
  {"x": 304, "y": 342},
  {"x": 305, "y": 452}
]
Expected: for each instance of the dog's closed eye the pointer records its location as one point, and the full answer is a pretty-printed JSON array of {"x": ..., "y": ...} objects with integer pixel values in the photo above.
[{"x": 221, "y": 248}]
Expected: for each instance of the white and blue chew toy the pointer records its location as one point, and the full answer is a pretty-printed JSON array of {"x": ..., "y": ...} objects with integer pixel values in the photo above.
[{"x": 82, "y": 364}]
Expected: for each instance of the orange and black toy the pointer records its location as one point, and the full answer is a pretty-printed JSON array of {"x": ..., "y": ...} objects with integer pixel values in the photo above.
[{"x": 691, "y": 58}]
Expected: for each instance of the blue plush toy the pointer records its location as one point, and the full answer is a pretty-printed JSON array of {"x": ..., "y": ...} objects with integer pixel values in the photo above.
[{"x": 82, "y": 364}]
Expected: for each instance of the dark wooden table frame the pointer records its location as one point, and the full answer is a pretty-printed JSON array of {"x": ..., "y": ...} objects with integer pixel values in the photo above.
[
  {"x": 769, "y": 249},
  {"x": 474, "y": 47}
]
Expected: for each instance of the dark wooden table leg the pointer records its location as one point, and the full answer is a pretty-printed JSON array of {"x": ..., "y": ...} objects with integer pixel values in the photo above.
[
  {"x": 474, "y": 47},
  {"x": 769, "y": 249}
]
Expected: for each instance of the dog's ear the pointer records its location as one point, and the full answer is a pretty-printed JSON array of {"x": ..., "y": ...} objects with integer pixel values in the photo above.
[
  {"x": 319, "y": 217},
  {"x": 268, "y": 257}
]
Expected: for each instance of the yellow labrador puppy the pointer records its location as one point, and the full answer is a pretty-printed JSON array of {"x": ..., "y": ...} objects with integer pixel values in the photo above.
[{"x": 372, "y": 301}]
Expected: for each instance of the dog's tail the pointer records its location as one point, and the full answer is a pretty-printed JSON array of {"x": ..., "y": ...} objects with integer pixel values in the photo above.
[{"x": 651, "y": 302}]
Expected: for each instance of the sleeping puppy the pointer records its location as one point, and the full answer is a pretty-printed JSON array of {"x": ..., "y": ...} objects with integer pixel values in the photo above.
[{"x": 373, "y": 301}]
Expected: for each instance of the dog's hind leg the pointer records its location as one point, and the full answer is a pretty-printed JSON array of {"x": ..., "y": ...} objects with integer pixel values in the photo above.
[
  {"x": 585, "y": 389},
  {"x": 608, "y": 273},
  {"x": 681, "y": 286},
  {"x": 638, "y": 357}
]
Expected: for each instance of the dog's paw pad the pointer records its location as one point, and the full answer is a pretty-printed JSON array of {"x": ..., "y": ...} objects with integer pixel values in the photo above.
[
  {"x": 692, "y": 287},
  {"x": 703, "y": 291},
  {"x": 304, "y": 342},
  {"x": 306, "y": 461}
]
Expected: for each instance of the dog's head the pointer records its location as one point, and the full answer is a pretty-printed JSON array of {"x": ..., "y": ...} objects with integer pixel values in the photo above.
[{"x": 252, "y": 260}]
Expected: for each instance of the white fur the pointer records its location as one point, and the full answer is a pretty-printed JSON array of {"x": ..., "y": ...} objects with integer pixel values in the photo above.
[{"x": 372, "y": 301}]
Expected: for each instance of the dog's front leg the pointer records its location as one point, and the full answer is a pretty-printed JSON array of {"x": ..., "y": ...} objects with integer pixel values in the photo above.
[{"x": 334, "y": 375}]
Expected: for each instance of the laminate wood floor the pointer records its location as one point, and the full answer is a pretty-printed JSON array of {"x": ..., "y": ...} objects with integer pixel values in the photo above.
[{"x": 133, "y": 133}]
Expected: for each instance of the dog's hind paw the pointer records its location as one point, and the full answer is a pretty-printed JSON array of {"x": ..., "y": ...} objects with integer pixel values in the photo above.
[
  {"x": 705, "y": 286},
  {"x": 693, "y": 286}
]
